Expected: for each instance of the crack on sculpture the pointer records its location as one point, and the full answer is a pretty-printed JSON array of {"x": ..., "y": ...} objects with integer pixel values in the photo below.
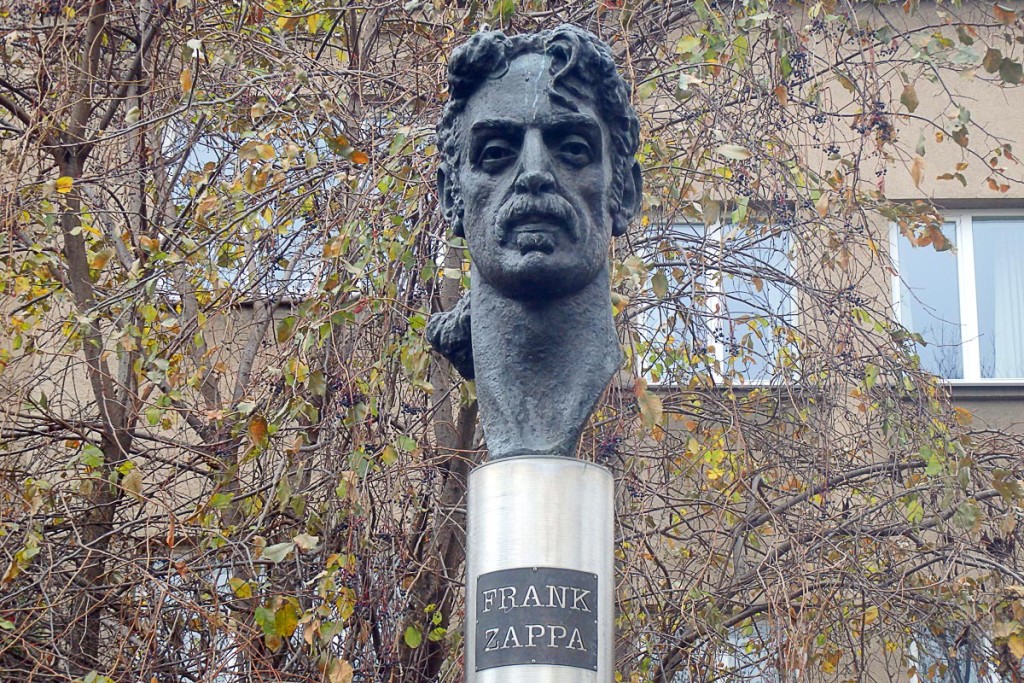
[{"x": 537, "y": 173}]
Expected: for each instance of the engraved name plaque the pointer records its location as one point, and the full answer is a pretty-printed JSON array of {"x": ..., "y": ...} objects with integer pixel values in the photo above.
[{"x": 536, "y": 615}]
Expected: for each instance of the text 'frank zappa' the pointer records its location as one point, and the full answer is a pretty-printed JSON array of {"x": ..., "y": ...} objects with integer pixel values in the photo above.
[{"x": 536, "y": 615}]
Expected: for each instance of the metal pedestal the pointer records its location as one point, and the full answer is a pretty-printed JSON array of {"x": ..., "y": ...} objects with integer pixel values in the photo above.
[{"x": 539, "y": 572}]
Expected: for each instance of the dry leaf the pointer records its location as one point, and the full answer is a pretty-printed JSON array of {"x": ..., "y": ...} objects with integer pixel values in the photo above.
[
  {"x": 782, "y": 94},
  {"x": 821, "y": 206},
  {"x": 735, "y": 152},
  {"x": 132, "y": 484},
  {"x": 258, "y": 433},
  {"x": 917, "y": 170},
  {"x": 339, "y": 671}
]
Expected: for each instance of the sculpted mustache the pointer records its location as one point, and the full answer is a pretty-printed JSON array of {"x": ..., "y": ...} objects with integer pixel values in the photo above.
[{"x": 524, "y": 207}]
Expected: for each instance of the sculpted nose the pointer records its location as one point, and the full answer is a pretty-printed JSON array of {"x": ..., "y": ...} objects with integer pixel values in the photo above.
[{"x": 534, "y": 173}]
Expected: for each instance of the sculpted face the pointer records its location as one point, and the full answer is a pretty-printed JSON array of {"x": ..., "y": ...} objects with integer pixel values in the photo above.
[{"x": 535, "y": 179}]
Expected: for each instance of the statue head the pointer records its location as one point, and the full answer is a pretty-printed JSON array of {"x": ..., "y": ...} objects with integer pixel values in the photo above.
[{"x": 537, "y": 170}]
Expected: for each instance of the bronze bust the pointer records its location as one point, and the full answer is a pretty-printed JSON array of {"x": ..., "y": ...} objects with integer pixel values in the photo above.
[{"x": 537, "y": 173}]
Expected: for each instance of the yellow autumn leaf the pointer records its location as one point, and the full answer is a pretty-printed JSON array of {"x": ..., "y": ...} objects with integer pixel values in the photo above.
[
  {"x": 64, "y": 184},
  {"x": 1016, "y": 645},
  {"x": 100, "y": 259},
  {"x": 186, "y": 80}
]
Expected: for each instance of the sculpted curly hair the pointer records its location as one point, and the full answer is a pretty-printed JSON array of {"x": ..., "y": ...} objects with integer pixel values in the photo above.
[{"x": 582, "y": 68}]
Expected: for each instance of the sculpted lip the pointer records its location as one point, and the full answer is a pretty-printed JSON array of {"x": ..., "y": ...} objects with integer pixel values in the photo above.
[
  {"x": 533, "y": 223},
  {"x": 536, "y": 222}
]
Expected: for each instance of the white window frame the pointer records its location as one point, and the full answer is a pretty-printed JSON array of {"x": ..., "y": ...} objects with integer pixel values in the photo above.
[
  {"x": 713, "y": 317},
  {"x": 963, "y": 240}
]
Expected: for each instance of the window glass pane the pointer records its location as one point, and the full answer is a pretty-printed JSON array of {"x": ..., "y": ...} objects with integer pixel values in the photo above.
[
  {"x": 930, "y": 304},
  {"x": 756, "y": 307},
  {"x": 732, "y": 313},
  {"x": 941, "y": 660},
  {"x": 677, "y": 327},
  {"x": 999, "y": 282}
]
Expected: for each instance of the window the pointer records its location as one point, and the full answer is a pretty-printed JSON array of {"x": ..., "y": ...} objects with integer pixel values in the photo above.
[
  {"x": 747, "y": 656},
  {"x": 966, "y": 303},
  {"x": 733, "y": 311},
  {"x": 941, "y": 658},
  {"x": 272, "y": 241}
]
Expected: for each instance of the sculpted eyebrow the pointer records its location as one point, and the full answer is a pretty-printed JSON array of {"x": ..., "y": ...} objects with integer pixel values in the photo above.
[
  {"x": 572, "y": 120},
  {"x": 490, "y": 125}
]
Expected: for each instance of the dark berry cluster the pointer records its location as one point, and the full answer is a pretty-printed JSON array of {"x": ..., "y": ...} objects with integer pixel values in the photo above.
[
  {"x": 409, "y": 409},
  {"x": 799, "y": 63},
  {"x": 608, "y": 448}
]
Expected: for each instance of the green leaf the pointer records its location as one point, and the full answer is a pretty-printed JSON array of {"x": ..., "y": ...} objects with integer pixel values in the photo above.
[
  {"x": 503, "y": 9},
  {"x": 413, "y": 637},
  {"x": 870, "y": 375},
  {"x": 265, "y": 619},
  {"x": 687, "y": 44},
  {"x": 1011, "y": 71},
  {"x": 154, "y": 415},
  {"x": 91, "y": 456},
  {"x": 915, "y": 511},
  {"x": 317, "y": 383},
  {"x": 967, "y": 515},
  {"x": 277, "y": 552},
  {"x": 219, "y": 500},
  {"x": 659, "y": 283},
  {"x": 286, "y": 329}
]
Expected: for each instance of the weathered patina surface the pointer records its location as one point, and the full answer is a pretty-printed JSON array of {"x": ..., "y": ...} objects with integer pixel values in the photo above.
[{"x": 538, "y": 174}]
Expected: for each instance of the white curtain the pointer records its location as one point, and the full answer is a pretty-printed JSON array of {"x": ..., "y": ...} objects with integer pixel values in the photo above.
[{"x": 1009, "y": 303}]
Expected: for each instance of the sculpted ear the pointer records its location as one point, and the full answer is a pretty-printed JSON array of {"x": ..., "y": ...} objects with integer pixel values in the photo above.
[
  {"x": 448, "y": 204},
  {"x": 632, "y": 195}
]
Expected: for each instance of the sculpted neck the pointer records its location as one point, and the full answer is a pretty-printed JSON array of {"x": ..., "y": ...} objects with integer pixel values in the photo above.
[{"x": 541, "y": 366}]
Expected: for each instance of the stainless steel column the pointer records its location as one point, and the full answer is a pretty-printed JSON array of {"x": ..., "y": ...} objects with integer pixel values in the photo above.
[{"x": 539, "y": 572}]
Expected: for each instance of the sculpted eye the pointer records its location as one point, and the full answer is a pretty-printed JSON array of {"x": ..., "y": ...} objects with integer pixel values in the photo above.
[
  {"x": 576, "y": 150},
  {"x": 496, "y": 154}
]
